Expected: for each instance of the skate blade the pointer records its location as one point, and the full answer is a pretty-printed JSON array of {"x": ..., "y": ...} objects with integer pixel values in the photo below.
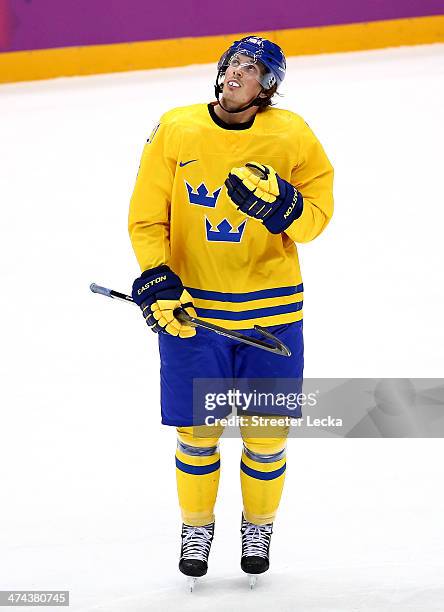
[
  {"x": 252, "y": 579},
  {"x": 191, "y": 581}
]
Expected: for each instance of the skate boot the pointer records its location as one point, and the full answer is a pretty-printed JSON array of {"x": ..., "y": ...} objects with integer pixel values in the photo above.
[
  {"x": 255, "y": 549},
  {"x": 196, "y": 544}
]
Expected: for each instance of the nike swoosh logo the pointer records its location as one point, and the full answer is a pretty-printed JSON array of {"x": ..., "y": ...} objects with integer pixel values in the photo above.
[{"x": 182, "y": 164}]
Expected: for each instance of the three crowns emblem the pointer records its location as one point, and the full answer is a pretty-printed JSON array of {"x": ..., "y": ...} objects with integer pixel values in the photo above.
[
  {"x": 224, "y": 231},
  {"x": 201, "y": 197}
]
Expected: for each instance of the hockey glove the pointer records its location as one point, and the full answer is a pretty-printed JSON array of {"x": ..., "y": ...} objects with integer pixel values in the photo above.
[
  {"x": 159, "y": 292},
  {"x": 260, "y": 193}
]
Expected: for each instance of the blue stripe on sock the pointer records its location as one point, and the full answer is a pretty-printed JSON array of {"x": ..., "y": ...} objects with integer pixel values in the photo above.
[
  {"x": 263, "y": 475},
  {"x": 197, "y": 470},
  {"x": 245, "y": 297}
]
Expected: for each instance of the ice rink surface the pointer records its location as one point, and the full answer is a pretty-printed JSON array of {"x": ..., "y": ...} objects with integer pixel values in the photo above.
[{"x": 88, "y": 500}]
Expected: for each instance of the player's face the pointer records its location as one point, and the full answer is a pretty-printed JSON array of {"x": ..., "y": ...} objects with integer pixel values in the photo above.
[{"x": 241, "y": 83}]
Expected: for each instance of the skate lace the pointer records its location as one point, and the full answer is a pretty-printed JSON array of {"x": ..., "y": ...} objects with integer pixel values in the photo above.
[
  {"x": 256, "y": 539},
  {"x": 196, "y": 542}
]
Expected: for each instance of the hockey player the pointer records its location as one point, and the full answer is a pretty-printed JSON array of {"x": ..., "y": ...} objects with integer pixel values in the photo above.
[{"x": 223, "y": 193}]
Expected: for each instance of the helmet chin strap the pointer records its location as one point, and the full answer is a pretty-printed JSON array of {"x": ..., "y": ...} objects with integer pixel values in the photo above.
[
  {"x": 239, "y": 110},
  {"x": 255, "y": 102}
]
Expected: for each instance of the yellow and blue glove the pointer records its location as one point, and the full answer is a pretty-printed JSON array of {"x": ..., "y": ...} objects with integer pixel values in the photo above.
[
  {"x": 259, "y": 192},
  {"x": 159, "y": 292}
]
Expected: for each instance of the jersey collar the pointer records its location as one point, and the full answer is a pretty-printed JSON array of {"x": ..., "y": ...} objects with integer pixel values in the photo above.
[{"x": 229, "y": 126}]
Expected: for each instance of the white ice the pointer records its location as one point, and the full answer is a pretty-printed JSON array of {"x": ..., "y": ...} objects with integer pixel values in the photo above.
[{"x": 88, "y": 500}]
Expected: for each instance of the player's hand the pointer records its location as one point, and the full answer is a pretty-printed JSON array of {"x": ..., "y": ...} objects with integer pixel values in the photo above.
[
  {"x": 159, "y": 292},
  {"x": 259, "y": 192}
]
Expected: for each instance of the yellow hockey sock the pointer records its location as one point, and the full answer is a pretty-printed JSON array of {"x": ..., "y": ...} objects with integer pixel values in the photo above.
[
  {"x": 262, "y": 474},
  {"x": 197, "y": 475}
]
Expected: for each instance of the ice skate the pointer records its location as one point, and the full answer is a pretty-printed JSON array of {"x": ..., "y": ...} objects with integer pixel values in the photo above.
[
  {"x": 255, "y": 549},
  {"x": 196, "y": 544}
]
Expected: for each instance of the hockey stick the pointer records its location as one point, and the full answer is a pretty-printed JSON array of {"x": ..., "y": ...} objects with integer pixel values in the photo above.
[{"x": 276, "y": 346}]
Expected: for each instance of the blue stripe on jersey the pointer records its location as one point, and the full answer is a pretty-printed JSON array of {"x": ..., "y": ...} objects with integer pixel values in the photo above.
[
  {"x": 198, "y": 470},
  {"x": 245, "y": 297},
  {"x": 263, "y": 475},
  {"x": 209, "y": 313}
]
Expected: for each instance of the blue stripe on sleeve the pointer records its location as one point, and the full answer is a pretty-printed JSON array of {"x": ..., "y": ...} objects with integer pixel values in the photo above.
[
  {"x": 255, "y": 313},
  {"x": 245, "y": 297}
]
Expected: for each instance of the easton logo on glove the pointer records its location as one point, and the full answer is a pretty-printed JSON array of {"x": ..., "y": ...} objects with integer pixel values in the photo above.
[
  {"x": 290, "y": 208},
  {"x": 259, "y": 192},
  {"x": 159, "y": 279},
  {"x": 159, "y": 292}
]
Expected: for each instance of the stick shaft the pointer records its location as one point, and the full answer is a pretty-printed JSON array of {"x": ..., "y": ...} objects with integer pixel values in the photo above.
[
  {"x": 116, "y": 295},
  {"x": 276, "y": 345}
]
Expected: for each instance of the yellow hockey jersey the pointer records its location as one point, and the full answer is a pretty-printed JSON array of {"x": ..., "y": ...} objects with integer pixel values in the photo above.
[{"x": 238, "y": 273}]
